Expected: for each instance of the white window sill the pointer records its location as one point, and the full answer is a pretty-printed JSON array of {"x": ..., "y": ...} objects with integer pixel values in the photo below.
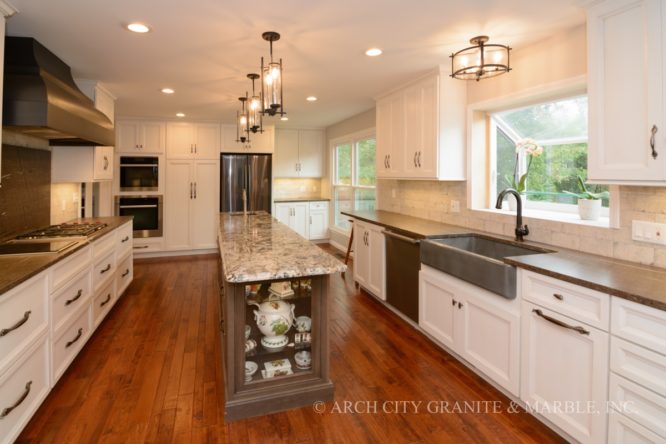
[{"x": 555, "y": 216}]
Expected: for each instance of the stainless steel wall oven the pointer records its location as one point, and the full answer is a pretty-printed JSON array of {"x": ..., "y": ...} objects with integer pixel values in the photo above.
[
  {"x": 139, "y": 173},
  {"x": 147, "y": 212}
]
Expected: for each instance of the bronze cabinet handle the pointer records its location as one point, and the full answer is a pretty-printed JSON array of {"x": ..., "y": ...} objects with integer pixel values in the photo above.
[
  {"x": 460, "y": 304},
  {"x": 75, "y": 298},
  {"x": 558, "y": 296},
  {"x": 125, "y": 273},
  {"x": 140, "y": 247},
  {"x": 7, "y": 410},
  {"x": 106, "y": 163},
  {"x": 125, "y": 239},
  {"x": 76, "y": 338},
  {"x": 578, "y": 329},
  {"x": 25, "y": 318},
  {"x": 653, "y": 132},
  {"x": 107, "y": 268},
  {"x": 453, "y": 302},
  {"x": 106, "y": 301}
]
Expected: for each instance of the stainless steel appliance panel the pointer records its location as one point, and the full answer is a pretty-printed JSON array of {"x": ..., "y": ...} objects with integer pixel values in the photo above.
[
  {"x": 139, "y": 173},
  {"x": 259, "y": 178},
  {"x": 245, "y": 172},
  {"x": 147, "y": 212},
  {"x": 403, "y": 262}
]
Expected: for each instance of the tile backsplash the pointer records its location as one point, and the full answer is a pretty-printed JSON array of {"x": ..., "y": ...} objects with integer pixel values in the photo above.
[
  {"x": 296, "y": 188},
  {"x": 432, "y": 200},
  {"x": 65, "y": 202}
]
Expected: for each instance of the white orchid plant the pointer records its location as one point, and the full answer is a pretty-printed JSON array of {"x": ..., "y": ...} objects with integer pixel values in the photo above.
[{"x": 530, "y": 148}]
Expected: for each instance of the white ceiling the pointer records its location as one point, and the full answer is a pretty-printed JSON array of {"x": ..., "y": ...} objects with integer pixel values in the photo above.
[{"x": 204, "y": 48}]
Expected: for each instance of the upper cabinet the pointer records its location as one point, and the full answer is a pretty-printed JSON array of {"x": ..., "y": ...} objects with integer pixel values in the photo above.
[
  {"x": 133, "y": 136},
  {"x": 259, "y": 142},
  {"x": 627, "y": 128},
  {"x": 299, "y": 153},
  {"x": 193, "y": 140},
  {"x": 421, "y": 130}
]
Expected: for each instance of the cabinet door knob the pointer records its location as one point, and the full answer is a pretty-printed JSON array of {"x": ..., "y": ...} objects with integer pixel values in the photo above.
[
  {"x": 653, "y": 132},
  {"x": 453, "y": 302}
]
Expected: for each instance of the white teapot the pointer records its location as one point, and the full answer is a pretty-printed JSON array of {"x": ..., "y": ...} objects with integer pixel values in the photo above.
[{"x": 274, "y": 319}]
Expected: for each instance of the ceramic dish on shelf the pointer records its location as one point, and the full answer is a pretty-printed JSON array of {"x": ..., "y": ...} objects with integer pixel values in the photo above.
[
  {"x": 248, "y": 331},
  {"x": 266, "y": 374},
  {"x": 303, "y": 359},
  {"x": 303, "y": 324},
  {"x": 251, "y": 368},
  {"x": 274, "y": 342}
]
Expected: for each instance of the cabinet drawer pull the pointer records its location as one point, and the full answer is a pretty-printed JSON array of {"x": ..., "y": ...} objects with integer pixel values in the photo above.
[
  {"x": 5, "y": 331},
  {"x": 78, "y": 336},
  {"x": 140, "y": 247},
  {"x": 415, "y": 154},
  {"x": 125, "y": 273},
  {"x": 107, "y": 268},
  {"x": 75, "y": 298},
  {"x": 558, "y": 296},
  {"x": 453, "y": 302},
  {"x": 579, "y": 329},
  {"x": 106, "y": 163},
  {"x": 418, "y": 159},
  {"x": 460, "y": 305},
  {"x": 125, "y": 239},
  {"x": 7, "y": 410},
  {"x": 653, "y": 132},
  {"x": 105, "y": 301}
]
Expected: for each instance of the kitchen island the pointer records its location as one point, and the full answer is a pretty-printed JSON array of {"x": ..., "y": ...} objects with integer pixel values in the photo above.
[{"x": 273, "y": 316}]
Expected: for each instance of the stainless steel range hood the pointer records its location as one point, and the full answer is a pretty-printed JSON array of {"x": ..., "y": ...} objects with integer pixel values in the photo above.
[{"x": 41, "y": 99}]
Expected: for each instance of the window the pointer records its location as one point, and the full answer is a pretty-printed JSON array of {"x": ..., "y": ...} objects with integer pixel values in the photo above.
[
  {"x": 353, "y": 178},
  {"x": 560, "y": 127}
]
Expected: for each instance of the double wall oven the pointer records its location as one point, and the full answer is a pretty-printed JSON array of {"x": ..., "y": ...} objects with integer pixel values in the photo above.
[{"x": 140, "y": 193}]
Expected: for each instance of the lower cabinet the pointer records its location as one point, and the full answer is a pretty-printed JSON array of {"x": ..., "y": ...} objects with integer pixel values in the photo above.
[
  {"x": 294, "y": 215},
  {"x": 318, "y": 220},
  {"x": 369, "y": 257},
  {"x": 481, "y": 327}
]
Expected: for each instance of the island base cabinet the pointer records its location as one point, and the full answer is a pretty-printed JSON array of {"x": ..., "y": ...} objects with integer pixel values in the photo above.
[
  {"x": 622, "y": 430},
  {"x": 564, "y": 375},
  {"x": 369, "y": 258}
]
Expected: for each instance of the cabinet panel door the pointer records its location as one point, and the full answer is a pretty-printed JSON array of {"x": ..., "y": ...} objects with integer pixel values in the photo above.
[
  {"x": 310, "y": 153},
  {"x": 206, "y": 203},
  {"x": 361, "y": 254},
  {"x": 299, "y": 219},
  {"x": 127, "y": 137},
  {"x": 263, "y": 142},
  {"x": 376, "y": 258},
  {"x": 286, "y": 153},
  {"x": 559, "y": 364},
  {"x": 383, "y": 125},
  {"x": 180, "y": 140},
  {"x": 103, "y": 158},
  {"x": 283, "y": 212},
  {"x": 413, "y": 131},
  {"x": 427, "y": 157},
  {"x": 318, "y": 224},
  {"x": 207, "y": 141},
  {"x": 625, "y": 90},
  {"x": 622, "y": 430},
  {"x": 228, "y": 140},
  {"x": 153, "y": 137},
  {"x": 178, "y": 198},
  {"x": 396, "y": 159},
  {"x": 437, "y": 307}
]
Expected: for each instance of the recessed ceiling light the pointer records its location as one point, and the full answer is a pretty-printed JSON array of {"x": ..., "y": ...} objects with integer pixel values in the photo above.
[
  {"x": 284, "y": 118},
  {"x": 180, "y": 114},
  {"x": 138, "y": 27},
  {"x": 373, "y": 52},
  {"x": 311, "y": 99},
  {"x": 167, "y": 90}
]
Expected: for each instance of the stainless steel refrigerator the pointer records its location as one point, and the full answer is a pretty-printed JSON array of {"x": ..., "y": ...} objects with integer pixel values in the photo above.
[{"x": 249, "y": 172}]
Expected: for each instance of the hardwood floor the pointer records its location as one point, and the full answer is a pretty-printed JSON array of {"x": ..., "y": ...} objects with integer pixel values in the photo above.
[{"x": 152, "y": 373}]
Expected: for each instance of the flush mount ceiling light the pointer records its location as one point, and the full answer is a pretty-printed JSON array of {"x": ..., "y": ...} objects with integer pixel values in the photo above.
[
  {"x": 271, "y": 80},
  {"x": 167, "y": 90},
  {"x": 138, "y": 28},
  {"x": 254, "y": 123},
  {"x": 242, "y": 128},
  {"x": 480, "y": 61},
  {"x": 373, "y": 52},
  {"x": 311, "y": 98},
  {"x": 180, "y": 114}
]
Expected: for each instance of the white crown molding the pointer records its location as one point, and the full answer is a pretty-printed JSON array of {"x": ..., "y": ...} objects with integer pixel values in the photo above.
[{"x": 7, "y": 9}]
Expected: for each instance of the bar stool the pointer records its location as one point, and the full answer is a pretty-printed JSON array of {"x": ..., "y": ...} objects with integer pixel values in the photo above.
[{"x": 349, "y": 247}]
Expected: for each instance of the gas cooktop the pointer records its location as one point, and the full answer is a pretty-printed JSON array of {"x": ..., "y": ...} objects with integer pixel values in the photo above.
[
  {"x": 63, "y": 230},
  {"x": 35, "y": 247}
]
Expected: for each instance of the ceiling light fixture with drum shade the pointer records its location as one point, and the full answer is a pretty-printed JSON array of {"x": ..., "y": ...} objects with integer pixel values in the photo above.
[
  {"x": 242, "y": 127},
  {"x": 480, "y": 61},
  {"x": 254, "y": 114},
  {"x": 271, "y": 80}
]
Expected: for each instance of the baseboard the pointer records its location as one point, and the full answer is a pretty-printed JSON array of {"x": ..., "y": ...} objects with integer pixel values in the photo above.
[{"x": 339, "y": 247}]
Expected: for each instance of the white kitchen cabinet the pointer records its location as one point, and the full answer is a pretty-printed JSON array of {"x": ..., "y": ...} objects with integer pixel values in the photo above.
[
  {"x": 81, "y": 164},
  {"x": 298, "y": 153},
  {"x": 139, "y": 136},
  {"x": 6, "y": 10},
  {"x": 622, "y": 430},
  {"x": 318, "y": 220},
  {"x": 192, "y": 140},
  {"x": 259, "y": 142},
  {"x": 626, "y": 56},
  {"x": 191, "y": 204},
  {"x": 294, "y": 215},
  {"x": 421, "y": 130},
  {"x": 481, "y": 327},
  {"x": 369, "y": 257}
]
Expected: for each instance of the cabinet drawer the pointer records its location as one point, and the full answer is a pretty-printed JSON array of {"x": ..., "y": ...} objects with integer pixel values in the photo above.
[
  {"x": 582, "y": 304},
  {"x": 63, "y": 271},
  {"x": 68, "y": 300},
  {"x": 147, "y": 245},
  {"x": 24, "y": 387},
  {"x": 643, "y": 406},
  {"x": 23, "y": 317},
  {"x": 124, "y": 274},
  {"x": 318, "y": 205},
  {"x": 68, "y": 341},
  {"x": 639, "y": 323},
  {"x": 124, "y": 239},
  {"x": 638, "y": 364},
  {"x": 104, "y": 267},
  {"x": 622, "y": 430},
  {"x": 103, "y": 302},
  {"x": 102, "y": 246}
]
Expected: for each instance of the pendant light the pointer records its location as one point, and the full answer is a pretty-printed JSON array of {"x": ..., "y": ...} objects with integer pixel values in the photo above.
[
  {"x": 242, "y": 127},
  {"x": 480, "y": 61},
  {"x": 254, "y": 115},
  {"x": 271, "y": 80}
]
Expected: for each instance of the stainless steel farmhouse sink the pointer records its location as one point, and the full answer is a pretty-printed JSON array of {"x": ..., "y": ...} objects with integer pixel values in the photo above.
[{"x": 477, "y": 259}]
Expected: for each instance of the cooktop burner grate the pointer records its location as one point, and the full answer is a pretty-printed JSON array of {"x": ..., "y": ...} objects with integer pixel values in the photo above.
[{"x": 64, "y": 230}]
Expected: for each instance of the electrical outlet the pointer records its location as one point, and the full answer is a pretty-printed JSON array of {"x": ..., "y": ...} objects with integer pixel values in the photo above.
[
  {"x": 455, "y": 206},
  {"x": 651, "y": 232}
]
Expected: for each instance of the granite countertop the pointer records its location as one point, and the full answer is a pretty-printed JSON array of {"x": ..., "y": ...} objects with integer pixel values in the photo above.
[
  {"x": 18, "y": 268},
  {"x": 257, "y": 248},
  {"x": 301, "y": 199},
  {"x": 639, "y": 283}
]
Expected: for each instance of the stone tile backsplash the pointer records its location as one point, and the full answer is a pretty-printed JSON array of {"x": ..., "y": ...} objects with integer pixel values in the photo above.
[
  {"x": 432, "y": 200},
  {"x": 296, "y": 188}
]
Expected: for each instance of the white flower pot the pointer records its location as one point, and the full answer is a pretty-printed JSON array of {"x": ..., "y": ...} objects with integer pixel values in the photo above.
[
  {"x": 513, "y": 203},
  {"x": 589, "y": 209}
]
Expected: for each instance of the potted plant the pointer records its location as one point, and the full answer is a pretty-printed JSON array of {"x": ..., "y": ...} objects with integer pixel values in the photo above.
[
  {"x": 531, "y": 149},
  {"x": 589, "y": 203}
]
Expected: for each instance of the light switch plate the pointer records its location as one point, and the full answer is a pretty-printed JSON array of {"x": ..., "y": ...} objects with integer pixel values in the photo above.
[
  {"x": 455, "y": 206},
  {"x": 648, "y": 232}
]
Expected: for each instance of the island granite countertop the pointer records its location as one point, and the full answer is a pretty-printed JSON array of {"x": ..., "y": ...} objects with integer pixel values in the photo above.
[
  {"x": 639, "y": 283},
  {"x": 18, "y": 268},
  {"x": 301, "y": 199},
  {"x": 257, "y": 247}
]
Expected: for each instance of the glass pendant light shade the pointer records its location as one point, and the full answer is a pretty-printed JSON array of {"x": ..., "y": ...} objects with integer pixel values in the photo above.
[
  {"x": 271, "y": 80},
  {"x": 254, "y": 108},
  {"x": 242, "y": 123},
  {"x": 480, "y": 61}
]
